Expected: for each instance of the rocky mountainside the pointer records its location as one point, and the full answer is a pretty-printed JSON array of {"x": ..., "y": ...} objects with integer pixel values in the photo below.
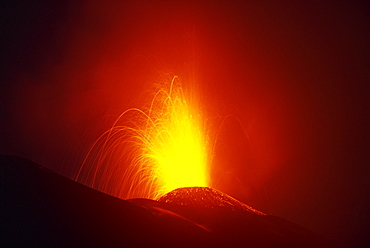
[{"x": 43, "y": 209}]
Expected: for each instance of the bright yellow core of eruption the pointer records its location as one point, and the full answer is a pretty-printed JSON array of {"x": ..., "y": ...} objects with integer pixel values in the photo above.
[
  {"x": 175, "y": 141},
  {"x": 148, "y": 153}
]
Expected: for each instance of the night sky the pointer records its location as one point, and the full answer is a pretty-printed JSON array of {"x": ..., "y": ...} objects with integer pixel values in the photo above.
[{"x": 294, "y": 74}]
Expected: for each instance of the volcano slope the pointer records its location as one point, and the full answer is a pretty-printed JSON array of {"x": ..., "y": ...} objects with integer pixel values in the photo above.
[{"x": 43, "y": 209}]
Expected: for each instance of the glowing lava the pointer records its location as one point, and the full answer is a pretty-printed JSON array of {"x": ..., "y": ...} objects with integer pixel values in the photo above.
[{"x": 166, "y": 147}]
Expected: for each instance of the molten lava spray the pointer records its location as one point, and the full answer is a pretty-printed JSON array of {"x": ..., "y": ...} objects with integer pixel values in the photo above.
[{"x": 150, "y": 152}]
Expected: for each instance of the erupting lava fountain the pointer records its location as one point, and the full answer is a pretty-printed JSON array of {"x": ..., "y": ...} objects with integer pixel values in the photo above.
[{"x": 150, "y": 152}]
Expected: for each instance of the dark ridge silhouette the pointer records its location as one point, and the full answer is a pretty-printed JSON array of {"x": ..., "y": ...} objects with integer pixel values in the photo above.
[{"x": 43, "y": 209}]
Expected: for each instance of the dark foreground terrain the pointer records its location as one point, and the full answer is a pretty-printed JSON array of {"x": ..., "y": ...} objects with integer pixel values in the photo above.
[{"x": 43, "y": 209}]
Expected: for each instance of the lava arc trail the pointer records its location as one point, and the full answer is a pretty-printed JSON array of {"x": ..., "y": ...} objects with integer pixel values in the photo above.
[{"x": 152, "y": 151}]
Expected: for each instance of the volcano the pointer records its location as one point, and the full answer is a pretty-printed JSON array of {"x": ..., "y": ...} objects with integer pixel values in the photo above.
[{"x": 44, "y": 209}]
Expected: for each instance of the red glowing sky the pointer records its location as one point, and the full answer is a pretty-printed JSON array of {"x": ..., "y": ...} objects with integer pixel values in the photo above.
[{"x": 294, "y": 75}]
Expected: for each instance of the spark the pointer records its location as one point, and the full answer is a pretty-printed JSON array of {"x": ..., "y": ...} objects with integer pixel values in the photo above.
[{"x": 148, "y": 153}]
